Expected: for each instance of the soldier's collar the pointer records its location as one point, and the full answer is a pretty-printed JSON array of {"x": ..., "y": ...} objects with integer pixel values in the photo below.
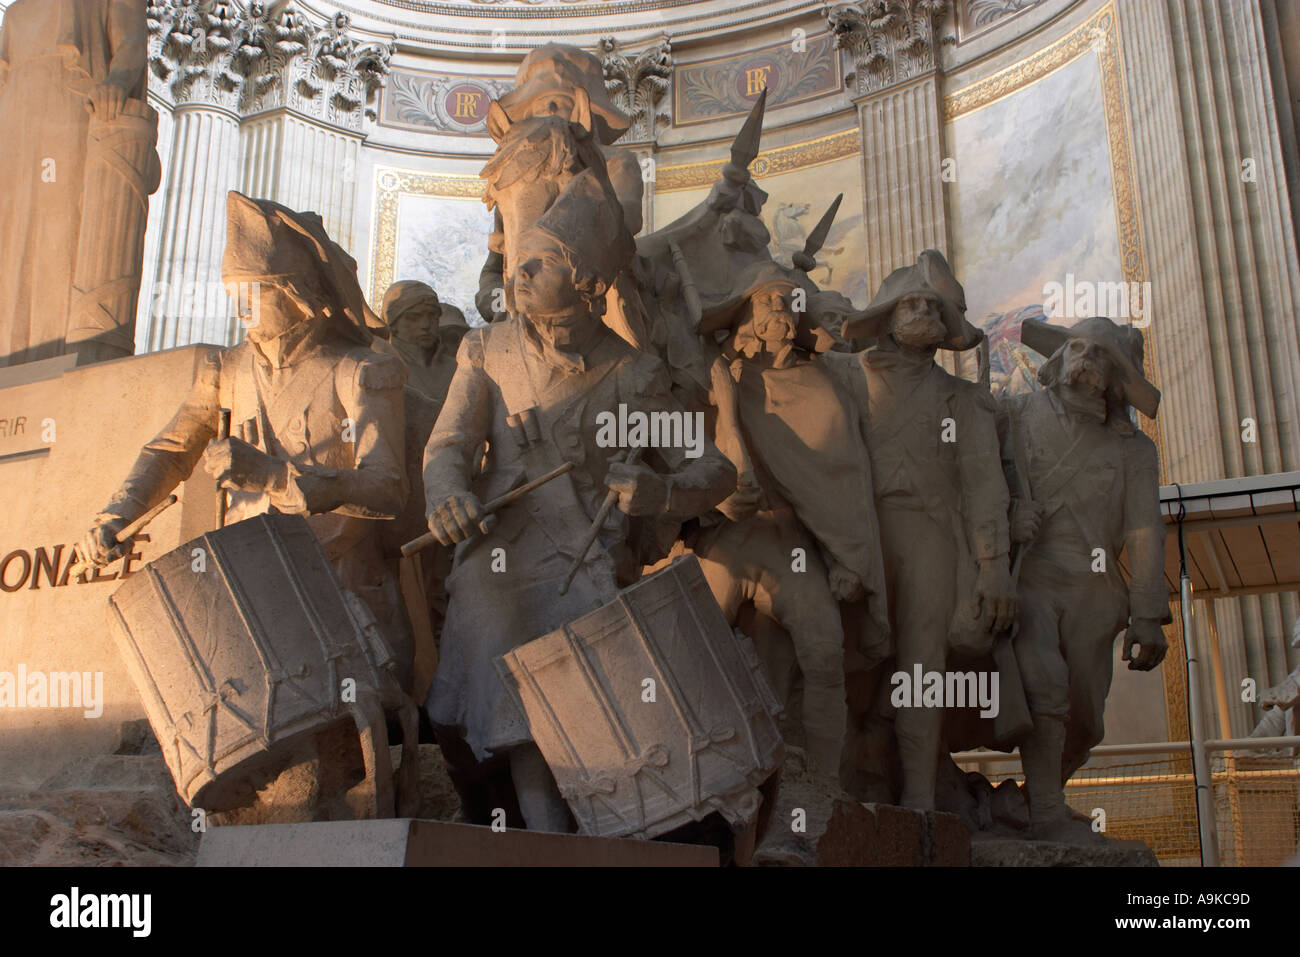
[
  {"x": 888, "y": 354},
  {"x": 291, "y": 345},
  {"x": 569, "y": 360},
  {"x": 1080, "y": 404}
]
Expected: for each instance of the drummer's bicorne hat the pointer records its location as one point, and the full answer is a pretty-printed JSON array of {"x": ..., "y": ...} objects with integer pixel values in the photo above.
[
  {"x": 930, "y": 274},
  {"x": 1123, "y": 344},
  {"x": 267, "y": 242}
]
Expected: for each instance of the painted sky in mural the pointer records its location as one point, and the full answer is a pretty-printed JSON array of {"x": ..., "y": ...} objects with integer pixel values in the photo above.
[
  {"x": 1033, "y": 201},
  {"x": 796, "y": 201},
  {"x": 443, "y": 242}
]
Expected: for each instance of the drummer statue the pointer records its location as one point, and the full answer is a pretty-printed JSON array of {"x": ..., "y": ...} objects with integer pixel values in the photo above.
[
  {"x": 537, "y": 388},
  {"x": 316, "y": 417}
]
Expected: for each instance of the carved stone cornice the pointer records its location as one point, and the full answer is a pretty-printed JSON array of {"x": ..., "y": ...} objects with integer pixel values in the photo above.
[
  {"x": 891, "y": 41},
  {"x": 638, "y": 84},
  {"x": 242, "y": 58}
]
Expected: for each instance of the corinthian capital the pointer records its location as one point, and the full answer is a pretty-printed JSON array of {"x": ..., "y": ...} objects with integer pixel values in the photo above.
[
  {"x": 249, "y": 59},
  {"x": 190, "y": 43},
  {"x": 637, "y": 84},
  {"x": 890, "y": 40}
]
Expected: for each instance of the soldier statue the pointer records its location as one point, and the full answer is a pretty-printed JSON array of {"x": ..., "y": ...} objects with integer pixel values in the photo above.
[
  {"x": 941, "y": 499},
  {"x": 424, "y": 333},
  {"x": 1084, "y": 487},
  {"x": 802, "y": 536},
  {"x": 316, "y": 415},
  {"x": 532, "y": 387}
]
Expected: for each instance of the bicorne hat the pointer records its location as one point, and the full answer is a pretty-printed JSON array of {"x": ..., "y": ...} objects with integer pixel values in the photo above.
[
  {"x": 930, "y": 274},
  {"x": 1123, "y": 344}
]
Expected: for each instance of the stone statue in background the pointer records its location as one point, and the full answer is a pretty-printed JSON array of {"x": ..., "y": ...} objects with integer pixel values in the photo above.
[
  {"x": 452, "y": 326},
  {"x": 1084, "y": 489},
  {"x": 802, "y": 537},
  {"x": 941, "y": 499},
  {"x": 414, "y": 315},
  {"x": 425, "y": 334},
  {"x": 78, "y": 167},
  {"x": 316, "y": 416},
  {"x": 1281, "y": 701},
  {"x": 536, "y": 389}
]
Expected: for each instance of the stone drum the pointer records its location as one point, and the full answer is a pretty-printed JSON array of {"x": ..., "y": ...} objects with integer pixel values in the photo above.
[
  {"x": 650, "y": 712},
  {"x": 242, "y": 644}
]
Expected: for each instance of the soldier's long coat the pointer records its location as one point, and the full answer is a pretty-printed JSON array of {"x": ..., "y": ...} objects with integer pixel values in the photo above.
[{"x": 504, "y": 588}]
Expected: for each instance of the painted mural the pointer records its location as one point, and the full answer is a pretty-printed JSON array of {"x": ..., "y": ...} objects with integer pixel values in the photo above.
[
  {"x": 801, "y": 181},
  {"x": 1033, "y": 204},
  {"x": 443, "y": 241}
]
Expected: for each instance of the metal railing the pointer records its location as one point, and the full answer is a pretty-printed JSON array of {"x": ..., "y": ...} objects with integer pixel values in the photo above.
[{"x": 1148, "y": 792}]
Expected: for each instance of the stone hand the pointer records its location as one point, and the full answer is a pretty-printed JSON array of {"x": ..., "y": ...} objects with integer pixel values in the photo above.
[
  {"x": 237, "y": 465},
  {"x": 996, "y": 595},
  {"x": 1026, "y": 518},
  {"x": 107, "y": 99},
  {"x": 743, "y": 502},
  {"x": 457, "y": 517},
  {"x": 1147, "y": 634},
  {"x": 845, "y": 584},
  {"x": 1286, "y": 695},
  {"x": 641, "y": 491},
  {"x": 100, "y": 545}
]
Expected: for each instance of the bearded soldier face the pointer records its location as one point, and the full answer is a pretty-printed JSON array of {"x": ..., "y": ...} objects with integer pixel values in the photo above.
[
  {"x": 917, "y": 322},
  {"x": 1085, "y": 365},
  {"x": 774, "y": 323}
]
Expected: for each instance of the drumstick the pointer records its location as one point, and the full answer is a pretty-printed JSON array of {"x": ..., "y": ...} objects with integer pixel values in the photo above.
[
  {"x": 632, "y": 458},
  {"x": 223, "y": 432},
  {"x": 496, "y": 504},
  {"x": 130, "y": 531}
]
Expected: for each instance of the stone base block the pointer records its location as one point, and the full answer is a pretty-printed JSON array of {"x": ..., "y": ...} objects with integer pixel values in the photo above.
[
  {"x": 815, "y": 822},
  {"x": 411, "y": 843},
  {"x": 1000, "y": 852}
]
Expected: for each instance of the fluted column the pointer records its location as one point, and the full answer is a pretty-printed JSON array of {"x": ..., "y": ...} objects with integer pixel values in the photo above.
[
  {"x": 264, "y": 100},
  {"x": 1219, "y": 241},
  {"x": 305, "y": 166},
  {"x": 189, "y": 301},
  {"x": 902, "y": 158},
  {"x": 893, "y": 46}
]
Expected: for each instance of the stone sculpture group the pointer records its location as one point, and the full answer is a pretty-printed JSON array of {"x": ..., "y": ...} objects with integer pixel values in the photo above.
[{"x": 857, "y": 511}]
